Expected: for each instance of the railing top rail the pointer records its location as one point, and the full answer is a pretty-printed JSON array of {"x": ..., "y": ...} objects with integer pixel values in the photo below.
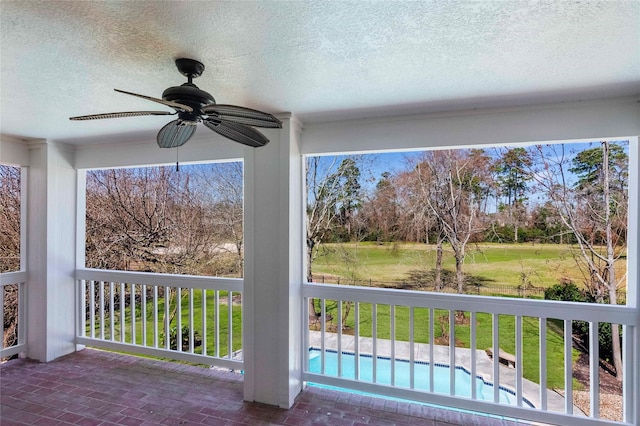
[
  {"x": 7, "y": 278},
  {"x": 170, "y": 280},
  {"x": 508, "y": 306}
]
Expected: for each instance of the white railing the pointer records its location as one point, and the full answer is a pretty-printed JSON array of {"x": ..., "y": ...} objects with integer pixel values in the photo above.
[
  {"x": 13, "y": 283},
  {"x": 181, "y": 317},
  {"x": 353, "y": 348}
]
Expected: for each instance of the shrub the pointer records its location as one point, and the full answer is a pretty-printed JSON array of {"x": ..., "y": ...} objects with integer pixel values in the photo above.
[{"x": 569, "y": 292}]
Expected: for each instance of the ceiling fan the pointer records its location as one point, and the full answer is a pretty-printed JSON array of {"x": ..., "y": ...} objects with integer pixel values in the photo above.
[{"x": 192, "y": 106}]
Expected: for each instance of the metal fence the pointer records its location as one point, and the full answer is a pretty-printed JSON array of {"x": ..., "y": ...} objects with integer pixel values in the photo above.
[{"x": 480, "y": 289}]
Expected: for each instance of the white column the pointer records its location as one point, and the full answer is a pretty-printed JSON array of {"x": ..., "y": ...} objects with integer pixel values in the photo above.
[
  {"x": 272, "y": 302},
  {"x": 51, "y": 197}
]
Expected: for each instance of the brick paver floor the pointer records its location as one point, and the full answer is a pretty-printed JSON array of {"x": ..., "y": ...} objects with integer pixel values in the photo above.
[{"x": 93, "y": 387}]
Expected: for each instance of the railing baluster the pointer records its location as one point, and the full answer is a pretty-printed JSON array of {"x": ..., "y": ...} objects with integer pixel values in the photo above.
[
  {"x": 217, "y": 323},
  {"x": 143, "y": 313},
  {"x": 112, "y": 316},
  {"x": 22, "y": 314},
  {"x": 230, "y": 324},
  {"x": 179, "y": 319},
  {"x": 132, "y": 310},
  {"x": 92, "y": 309},
  {"x": 374, "y": 326},
  {"x": 543, "y": 363},
  {"x": 594, "y": 370},
  {"x": 568, "y": 368},
  {"x": 101, "y": 289},
  {"x": 518, "y": 344},
  {"x": 83, "y": 308},
  {"x": 356, "y": 342},
  {"x": 473, "y": 347},
  {"x": 305, "y": 335},
  {"x": 167, "y": 331},
  {"x": 322, "y": 335},
  {"x": 241, "y": 307},
  {"x": 191, "y": 333},
  {"x": 631, "y": 365},
  {"x": 155, "y": 317},
  {"x": 339, "y": 343},
  {"x": 496, "y": 357},
  {"x": 452, "y": 352},
  {"x": 204, "y": 321},
  {"x": 122, "y": 319},
  {"x": 431, "y": 343},
  {"x": 392, "y": 326},
  {"x": 412, "y": 354}
]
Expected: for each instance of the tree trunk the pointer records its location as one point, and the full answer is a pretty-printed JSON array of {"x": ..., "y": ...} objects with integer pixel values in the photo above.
[
  {"x": 438, "y": 269},
  {"x": 611, "y": 273},
  {"x": 459, "y": 272}
]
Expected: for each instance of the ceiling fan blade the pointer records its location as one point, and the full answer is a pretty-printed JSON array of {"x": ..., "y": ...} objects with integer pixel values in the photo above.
[
  {"x": 242, "y": 115},
  {"x": 119, "y": 115},
  {"x": 175, "y": 134},
  {"x": 171, "y": 104},
  {"x": 237, "y": 132}
]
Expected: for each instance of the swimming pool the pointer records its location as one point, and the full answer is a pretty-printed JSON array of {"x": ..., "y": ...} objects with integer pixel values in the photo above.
[{"x": 441, "y": 374}]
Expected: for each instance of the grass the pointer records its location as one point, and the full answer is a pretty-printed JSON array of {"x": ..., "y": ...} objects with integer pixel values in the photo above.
[
  {"x": 221, "y": 343},
  {"x": 542, "y": 265}
]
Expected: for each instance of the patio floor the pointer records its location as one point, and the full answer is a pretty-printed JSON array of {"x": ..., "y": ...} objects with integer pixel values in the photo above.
[{"x": 93, "y": 387}]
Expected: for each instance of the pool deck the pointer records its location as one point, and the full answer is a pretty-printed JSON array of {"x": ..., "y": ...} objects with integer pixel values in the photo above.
[{"x": 484, "y": 364}]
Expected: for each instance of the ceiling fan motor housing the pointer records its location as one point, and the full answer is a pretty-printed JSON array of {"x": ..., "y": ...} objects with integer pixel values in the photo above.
[{"x": 189, "y": 94}]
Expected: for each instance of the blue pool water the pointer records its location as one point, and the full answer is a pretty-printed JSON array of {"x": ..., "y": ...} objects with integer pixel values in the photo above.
[{"x": 463, "y": 379}]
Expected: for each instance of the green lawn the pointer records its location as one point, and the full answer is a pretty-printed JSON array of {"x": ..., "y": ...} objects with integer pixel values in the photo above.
[
  {"x": 543, "y": 265},
  {"x": 197, "y": 316}
]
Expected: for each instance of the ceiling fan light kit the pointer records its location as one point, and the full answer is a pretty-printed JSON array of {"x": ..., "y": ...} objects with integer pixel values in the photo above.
[{"x": 193, "y": 106}]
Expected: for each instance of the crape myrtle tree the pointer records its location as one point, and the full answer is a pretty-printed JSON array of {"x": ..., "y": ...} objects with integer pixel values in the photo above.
[{"x": 594, "y": 209}]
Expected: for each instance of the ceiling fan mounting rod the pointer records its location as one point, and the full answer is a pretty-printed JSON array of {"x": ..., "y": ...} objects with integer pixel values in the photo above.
[{"x": 190, "y": 68}]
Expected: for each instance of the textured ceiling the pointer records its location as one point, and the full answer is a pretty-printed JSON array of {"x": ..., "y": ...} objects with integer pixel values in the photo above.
[{"x": 320, "y": 60}]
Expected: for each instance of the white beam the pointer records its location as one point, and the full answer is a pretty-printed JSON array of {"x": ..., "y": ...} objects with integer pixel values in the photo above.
[{"x": 540, "y": 123}]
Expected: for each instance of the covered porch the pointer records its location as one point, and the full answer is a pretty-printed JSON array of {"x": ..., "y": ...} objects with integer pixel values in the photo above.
[{"x": 64, "y": 307}]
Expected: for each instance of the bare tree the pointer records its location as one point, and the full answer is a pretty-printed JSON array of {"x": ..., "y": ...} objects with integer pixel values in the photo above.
[
  {"x": 9, "y": 218},
  {"x": 10, "y": 247},
  {"x": 452, "y": 194},
  {"x": 332, "y": 195},
  {"x": 594, "y": 209}
]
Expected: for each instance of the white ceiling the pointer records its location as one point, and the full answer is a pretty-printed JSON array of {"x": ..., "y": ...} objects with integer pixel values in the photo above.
[{"x": 321, "y": 60}]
